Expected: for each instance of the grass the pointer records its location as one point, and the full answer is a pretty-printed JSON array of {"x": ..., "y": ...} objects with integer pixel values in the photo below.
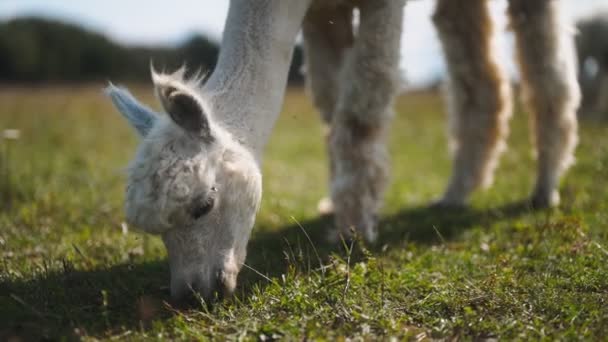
[{"x": 69, "y": 269}]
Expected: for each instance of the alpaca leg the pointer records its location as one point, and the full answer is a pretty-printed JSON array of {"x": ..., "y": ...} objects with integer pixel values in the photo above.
[
  {"x": 369, "y": 81},
  {"x": 479, "y": 96},
  {"x": 546, "y": 54},
  {"x": 328, "y": 34}
]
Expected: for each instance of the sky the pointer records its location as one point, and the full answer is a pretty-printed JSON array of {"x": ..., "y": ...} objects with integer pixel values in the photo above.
[{"x": 164, "y": 22}]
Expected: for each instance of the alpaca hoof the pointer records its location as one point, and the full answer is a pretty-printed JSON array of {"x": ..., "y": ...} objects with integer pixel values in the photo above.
[
  {"x": 325, "y": 206},
  {"x": 447, "y": 204},
  {"x": 333, "y": 236},
  {"x": 336, "y": 236},
  {"x": 370, "y": 234},
  {"x": 545, "y": 199}
]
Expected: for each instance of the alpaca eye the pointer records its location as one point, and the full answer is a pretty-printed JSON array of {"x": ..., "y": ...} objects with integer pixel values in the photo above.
[{"x": 202, "y": 208}]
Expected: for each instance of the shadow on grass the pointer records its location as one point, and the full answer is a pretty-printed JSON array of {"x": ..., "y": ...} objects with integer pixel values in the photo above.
[
  {"x": 132, "y": 296},
  {"x": 73, "y": 302},
  {"x": 269, "y": 252}
]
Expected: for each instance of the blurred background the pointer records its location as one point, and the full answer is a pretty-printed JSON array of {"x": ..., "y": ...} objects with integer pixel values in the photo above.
[{"x": 58, "y": 40}]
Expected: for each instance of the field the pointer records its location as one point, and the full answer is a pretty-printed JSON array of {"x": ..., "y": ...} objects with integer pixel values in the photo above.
[{"x": 70, "y": 267}]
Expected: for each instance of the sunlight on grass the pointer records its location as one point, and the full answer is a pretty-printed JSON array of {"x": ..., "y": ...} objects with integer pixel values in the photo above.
[{"x": 71, "y": 268}]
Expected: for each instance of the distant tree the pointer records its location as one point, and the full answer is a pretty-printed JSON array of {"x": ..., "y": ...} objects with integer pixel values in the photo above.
[
  {"x": 199, "y": 48},
  {"x": 34, "y": 49},
  {"x": 592, "y": 46},
  {"x": 295, "y": 76},
  {"x": 41, "y": 50}
]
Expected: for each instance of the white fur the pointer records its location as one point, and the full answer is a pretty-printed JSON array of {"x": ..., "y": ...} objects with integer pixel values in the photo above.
[{"x": 171, "y": 172}]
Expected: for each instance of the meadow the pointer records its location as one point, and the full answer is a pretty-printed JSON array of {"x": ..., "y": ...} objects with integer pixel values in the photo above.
[{"x": 70, "y": 268}]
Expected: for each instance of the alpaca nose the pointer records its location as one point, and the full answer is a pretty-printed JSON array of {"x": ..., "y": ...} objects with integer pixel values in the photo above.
[{"x": 211, "y": 291}]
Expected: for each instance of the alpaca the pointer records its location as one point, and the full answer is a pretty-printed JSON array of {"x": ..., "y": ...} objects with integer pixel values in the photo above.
[{"x": 196, "y": 177}]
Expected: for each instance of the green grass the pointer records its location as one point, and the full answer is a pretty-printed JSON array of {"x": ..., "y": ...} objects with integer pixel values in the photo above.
[{"x": 497, "y": 269}]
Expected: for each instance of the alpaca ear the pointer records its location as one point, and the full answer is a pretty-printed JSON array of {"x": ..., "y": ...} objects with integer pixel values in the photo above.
[
  {"x": 139, "y": 116},
  {"x": 185, "y": 110},
  {"x": 182, "y": 105}
]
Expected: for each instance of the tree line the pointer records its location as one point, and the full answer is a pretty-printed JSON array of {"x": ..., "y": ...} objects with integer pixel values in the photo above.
[
  {"x": 41, "y": 50},
  {"x": 592, "y": 47}
]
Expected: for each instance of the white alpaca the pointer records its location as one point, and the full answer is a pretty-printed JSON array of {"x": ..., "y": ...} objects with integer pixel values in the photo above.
[{"x": 196, "y": 177}]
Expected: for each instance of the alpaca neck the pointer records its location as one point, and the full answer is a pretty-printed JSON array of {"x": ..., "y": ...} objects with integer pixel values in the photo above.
[{"x": 247, "y": 87}]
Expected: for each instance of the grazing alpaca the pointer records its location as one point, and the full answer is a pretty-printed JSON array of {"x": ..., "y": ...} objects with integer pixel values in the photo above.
[{"x": 196, "y": 177}]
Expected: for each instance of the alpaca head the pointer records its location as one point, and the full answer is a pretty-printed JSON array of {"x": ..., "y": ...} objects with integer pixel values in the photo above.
[{"x": 193, "y": 184}]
